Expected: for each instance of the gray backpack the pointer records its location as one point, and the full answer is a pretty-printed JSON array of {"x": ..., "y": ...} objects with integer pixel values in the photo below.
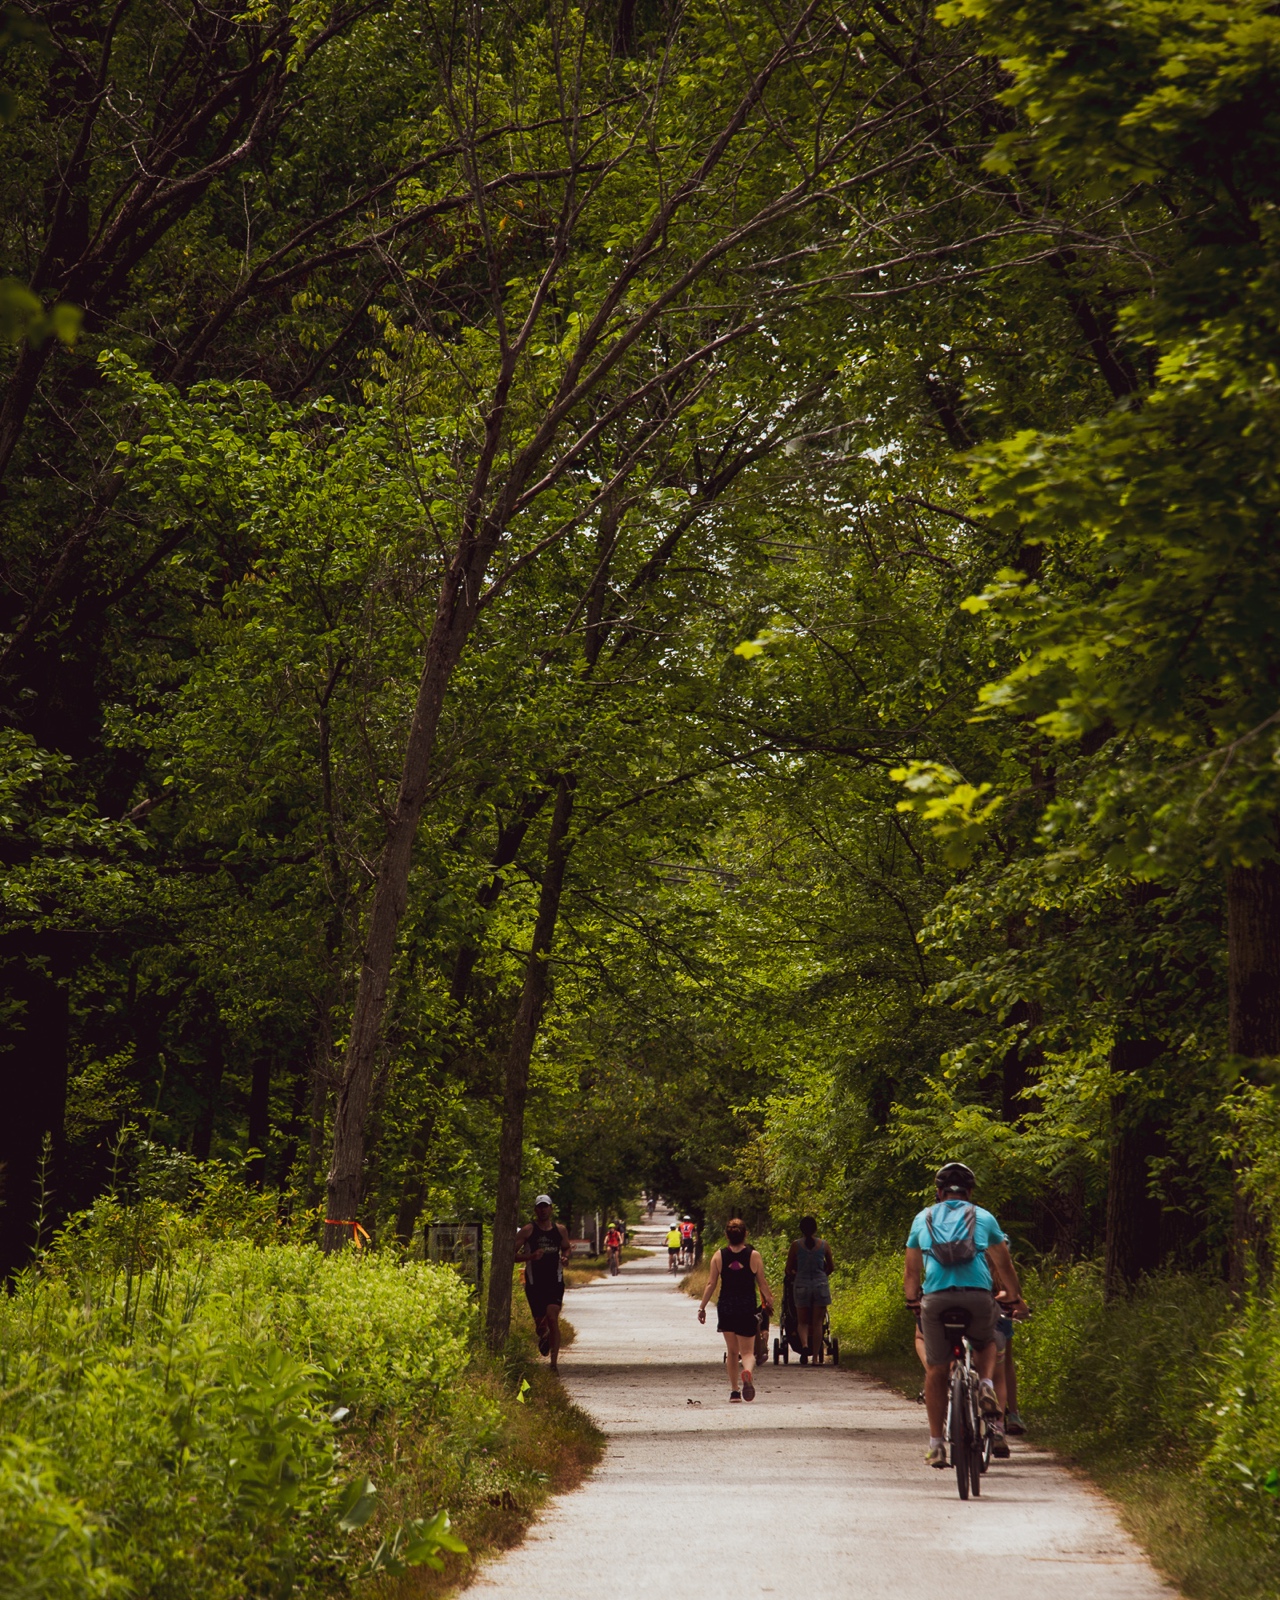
[{"x": 954, "y": 1252}]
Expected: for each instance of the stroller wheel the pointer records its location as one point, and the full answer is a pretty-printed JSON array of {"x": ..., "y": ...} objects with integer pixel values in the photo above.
[
  {"x": 835, "y": 1352},
  {"x": 777, "y": 1352},
  {"x": 786, "y": 1355}
]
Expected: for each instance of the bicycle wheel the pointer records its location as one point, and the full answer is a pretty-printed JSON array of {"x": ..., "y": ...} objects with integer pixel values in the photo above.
[
  {"x": 975, "y": 1438},
  {"x": 959, "y": 1419}
]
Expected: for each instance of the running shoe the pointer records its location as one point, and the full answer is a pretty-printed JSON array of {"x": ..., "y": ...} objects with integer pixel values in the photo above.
[
  {"x": 748, "y": 1388},
  {"x": 544, "y": 1343},
  {"x": 1014, "y": 1424},
  {"x": 936, "y": 1456},
  {"x": 988, "y": 1404},
  {"x": 734, "y": 1395},
  {"x": 999, "y": 1444}
]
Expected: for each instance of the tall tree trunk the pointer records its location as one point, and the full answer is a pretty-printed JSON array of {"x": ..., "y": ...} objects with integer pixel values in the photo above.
[
  {"x": 35, "y": 1078},
  {"x": 510, "y": 837},
  {"x": 1021, "y": 1061},
  {"x": 455, "y": 617},
  {"x": 260, "y": 1114},
  {"x": 516, "y": 1085},
  {"x": 210, "y": 1090},
  {"x": 413, "y": 1191},
  {"x": 1253, "y": 1015},
  {"x": 1133, "y": 1217},
  {"x": 316, "y": 1115}
]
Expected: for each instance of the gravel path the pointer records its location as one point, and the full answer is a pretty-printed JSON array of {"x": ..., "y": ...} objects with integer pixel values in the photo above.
[{"x": 816, "y": 1491}]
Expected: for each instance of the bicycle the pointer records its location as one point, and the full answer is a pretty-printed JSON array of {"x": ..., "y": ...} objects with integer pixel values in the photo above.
[
  {"x": 967, "y": 1435},
  {"x": 615, "y": 1255}
]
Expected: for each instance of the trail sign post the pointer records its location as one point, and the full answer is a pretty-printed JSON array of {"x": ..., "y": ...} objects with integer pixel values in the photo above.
[{"x": 461, "y": 1244}]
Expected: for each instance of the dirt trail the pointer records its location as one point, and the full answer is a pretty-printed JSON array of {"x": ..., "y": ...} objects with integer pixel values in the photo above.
[{"x": 816, "y": 1491}]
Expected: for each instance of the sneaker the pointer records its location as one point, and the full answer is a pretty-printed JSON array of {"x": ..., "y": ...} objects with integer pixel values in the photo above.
[
  {"x": 936, "y": 1456},
  {"x": 987, "y": 1402},
  {"x": 1014, "y": 1424},
  {"x": 999, "y": 1444},
  {"x": 748, "y": 1388},
  {"x": 734, "y": 1395},
  {"x": 544, "y": 1343}
]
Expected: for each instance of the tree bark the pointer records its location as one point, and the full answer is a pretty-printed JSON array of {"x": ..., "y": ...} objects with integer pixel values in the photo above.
[
  {"x": 210, "y": 1091},
  {"x": 455, "y": 616},
  {"x": 260, "y": 1115},
  {"x": 516, "y": 1086},
  {"x": 35, "y": 1083},
  {"x": 1133, "y": 1217},
  {"x": 1253, "y": 1013},
  {"x": 1017, "y": 1070}
]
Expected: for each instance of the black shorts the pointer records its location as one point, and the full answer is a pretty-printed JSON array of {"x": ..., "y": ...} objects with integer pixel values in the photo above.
[
  {"x": 542, "y": 1295},
  {"x": 743, "y": 1323}
]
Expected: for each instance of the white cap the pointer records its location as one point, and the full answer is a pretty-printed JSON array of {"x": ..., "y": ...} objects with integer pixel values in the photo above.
[{"x": 543, "y": 1200}]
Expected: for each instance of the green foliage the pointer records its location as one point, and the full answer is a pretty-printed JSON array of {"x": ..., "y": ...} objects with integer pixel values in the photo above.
[
  {"x": 867, "y": 1313},
  {"x": 199, "y": 1395},
  {"x": 48, "y": 1542},
  {"x": 1135, "y": 1374},
  {"x": 1244, "y": 1461}
]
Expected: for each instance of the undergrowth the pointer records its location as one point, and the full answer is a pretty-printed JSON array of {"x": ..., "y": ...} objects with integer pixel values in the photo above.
[
  {"x": 190, "y": 1413},
  {"x": 1169, "y": 1397}
]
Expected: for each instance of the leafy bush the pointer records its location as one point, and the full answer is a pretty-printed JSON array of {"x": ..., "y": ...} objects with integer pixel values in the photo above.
[
  {"x": 179, "y": 1408},
  {"x": 1137, "y": 1372},
  {"x": 1244, "y": 1462},
  {"x": 868, "y": 1315},
  {"x": 48, "y": 1543}
]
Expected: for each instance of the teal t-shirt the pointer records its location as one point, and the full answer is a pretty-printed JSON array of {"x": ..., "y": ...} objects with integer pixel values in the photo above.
[{"x": 949, "y": 1223}]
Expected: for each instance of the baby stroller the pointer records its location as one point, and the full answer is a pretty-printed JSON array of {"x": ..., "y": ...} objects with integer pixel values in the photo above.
[{"x": 789, "y": 1335}]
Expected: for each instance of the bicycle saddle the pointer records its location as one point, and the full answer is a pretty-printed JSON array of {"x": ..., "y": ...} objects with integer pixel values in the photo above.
[{"x": 956, "y": 1317}]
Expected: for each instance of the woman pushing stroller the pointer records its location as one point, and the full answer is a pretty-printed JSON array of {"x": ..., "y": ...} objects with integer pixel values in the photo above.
[{"x": 809, "y": 1268}]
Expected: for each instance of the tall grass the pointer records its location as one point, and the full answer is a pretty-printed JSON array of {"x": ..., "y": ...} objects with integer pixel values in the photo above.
[
  {"x": 1174, "y": 1375},
  {"x": 190, "y": 1415}
]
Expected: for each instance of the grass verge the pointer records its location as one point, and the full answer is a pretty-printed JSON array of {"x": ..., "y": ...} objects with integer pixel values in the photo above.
[
  {"x": 1204, "y": 1551},
  {"x": 545, "y": 1446}
]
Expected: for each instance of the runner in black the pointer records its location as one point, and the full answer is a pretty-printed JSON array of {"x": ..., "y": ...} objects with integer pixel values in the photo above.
[
  {"x": 737, "y": 1268},
  {"x": 543, "y": 1246}
]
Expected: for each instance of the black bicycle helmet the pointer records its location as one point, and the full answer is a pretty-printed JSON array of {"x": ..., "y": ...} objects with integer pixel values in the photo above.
[{"x": 954, "y": 1175}]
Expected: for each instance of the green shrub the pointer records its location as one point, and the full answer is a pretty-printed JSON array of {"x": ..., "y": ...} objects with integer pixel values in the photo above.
[
  {"x": 48, "y": 1543},
  {"x": 182, "y": 1407},
  {"x": 1137, "y": 1372},
  {"x": 1244, "y": 1461},
  {"x": 868, "y": 1314}
]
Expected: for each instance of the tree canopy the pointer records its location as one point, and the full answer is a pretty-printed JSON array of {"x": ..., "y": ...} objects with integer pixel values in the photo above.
[{"x": 642, "y": 595}]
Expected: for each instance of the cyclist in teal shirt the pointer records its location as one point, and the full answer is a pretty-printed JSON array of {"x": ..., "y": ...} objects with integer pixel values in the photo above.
[{"x": 953, "y": 1249}]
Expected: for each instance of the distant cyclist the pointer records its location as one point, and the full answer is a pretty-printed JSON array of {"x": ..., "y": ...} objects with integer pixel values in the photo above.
[
  {"x": 686, "y": 1240},
  {"x": 613, "y": 1248},
  {"x": 543, "y": 1246},
  {"x": 809, "y": 1267},
  {"x": 956, "y": 1246},
  {"x": 673, "y": 1248}
]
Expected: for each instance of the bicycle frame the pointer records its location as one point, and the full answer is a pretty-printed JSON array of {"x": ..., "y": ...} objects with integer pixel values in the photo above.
[{"x": 967, "y": 1436}]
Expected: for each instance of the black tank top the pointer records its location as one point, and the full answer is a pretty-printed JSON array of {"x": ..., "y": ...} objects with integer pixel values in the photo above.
[
  {"x": 547, "y": 1269},
  {"x": 737, "y": 1281}
]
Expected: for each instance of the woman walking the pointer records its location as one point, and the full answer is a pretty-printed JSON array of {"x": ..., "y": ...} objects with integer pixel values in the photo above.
[
  {"x": 737, "y": 1268},
  {"x": 809, "y": 1266}
]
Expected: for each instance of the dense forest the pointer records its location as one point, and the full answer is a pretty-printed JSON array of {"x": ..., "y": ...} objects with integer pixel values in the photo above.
[{"x": 644, "y": 595}]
